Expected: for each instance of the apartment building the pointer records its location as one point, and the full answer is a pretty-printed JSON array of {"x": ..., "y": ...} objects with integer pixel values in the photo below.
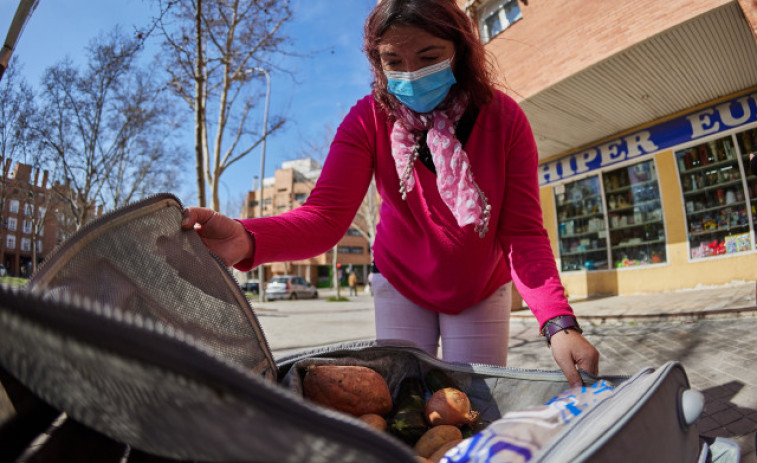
[
  {"x": 287, "y": 190},
  {"x": 29, "y": 232},
  {"x": 644, "y": 113}
]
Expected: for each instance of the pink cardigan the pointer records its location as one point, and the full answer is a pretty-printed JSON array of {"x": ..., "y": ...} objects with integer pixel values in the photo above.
[{"x": 419, "y": 248}]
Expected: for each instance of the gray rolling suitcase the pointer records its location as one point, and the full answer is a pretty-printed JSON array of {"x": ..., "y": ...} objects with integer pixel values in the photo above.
[{"x": 134, "y": 330}]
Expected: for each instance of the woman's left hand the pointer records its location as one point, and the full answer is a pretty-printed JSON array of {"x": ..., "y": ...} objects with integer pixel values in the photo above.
[{"x": 571, "y": 351}]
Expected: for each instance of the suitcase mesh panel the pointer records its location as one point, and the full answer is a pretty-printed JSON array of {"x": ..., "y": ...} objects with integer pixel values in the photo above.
[{"x": 140, "y": 261}]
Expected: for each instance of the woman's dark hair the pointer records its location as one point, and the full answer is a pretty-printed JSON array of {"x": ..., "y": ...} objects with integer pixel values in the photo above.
[{"x": 440, "y": 18}]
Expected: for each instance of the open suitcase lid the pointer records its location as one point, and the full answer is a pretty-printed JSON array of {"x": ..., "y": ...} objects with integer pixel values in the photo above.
[
  {"x": 138, "y": 259},
  {"x": 134, "y": 329}
]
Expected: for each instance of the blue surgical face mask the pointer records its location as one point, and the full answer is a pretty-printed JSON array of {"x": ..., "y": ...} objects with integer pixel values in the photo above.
[{"x": 424, "y": 89}]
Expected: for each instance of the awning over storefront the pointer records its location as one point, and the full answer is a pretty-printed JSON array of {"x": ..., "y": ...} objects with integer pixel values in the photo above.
[{"x": 706, "y": 58}]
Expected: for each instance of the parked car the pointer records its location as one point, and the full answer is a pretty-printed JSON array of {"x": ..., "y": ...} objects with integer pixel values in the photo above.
[
  {"x": 289, "y": 287},
  {"x": 252, "y": 286}
]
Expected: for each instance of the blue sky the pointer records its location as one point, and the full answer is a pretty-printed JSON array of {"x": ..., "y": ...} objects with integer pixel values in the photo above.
[{"x": 317, "y": 95}]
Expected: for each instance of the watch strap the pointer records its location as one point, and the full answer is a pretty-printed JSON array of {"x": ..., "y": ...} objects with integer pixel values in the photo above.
[{"x": 559, "y": 323}]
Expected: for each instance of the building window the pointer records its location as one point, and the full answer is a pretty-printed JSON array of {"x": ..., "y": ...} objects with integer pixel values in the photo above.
[
  {"x": 28, "y": 210},
  {"x": 496, "y": 16},
  {"x": 267, "y": 202},
  {"x": 11, "y": 223},
  {"x": 581, "y": 225},
  {"x": 353, "y": 232},
  {"x": 350, "y": 249},
  {"x": 39, "y": 246},
  {"x": 14, "y": 206},
  {"x": 634, "y": 210},
  {"x": 26, "y": 244},
  {"x": 27, "y": 226},
  {"x": 300, "y": 197},
  {"x": 41, "y": 213},
  {"x": 10, "y": 242},
  {"x": 714, "y": 195}
]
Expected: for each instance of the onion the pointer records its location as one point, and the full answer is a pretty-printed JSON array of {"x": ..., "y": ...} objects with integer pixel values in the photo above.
[{"x": 449, "y": 406}]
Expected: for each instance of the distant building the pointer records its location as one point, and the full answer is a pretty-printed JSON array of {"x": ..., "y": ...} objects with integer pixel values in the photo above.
[
  {"x": 29, "y": 232},
  {"x": 287, "y": 190},
  {"x": 34, "y": 221}
]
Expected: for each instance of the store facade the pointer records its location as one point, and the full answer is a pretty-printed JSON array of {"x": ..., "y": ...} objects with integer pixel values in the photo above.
[
  {"x": 665, "y": 206},
  {"x": 643, "y": 113}
]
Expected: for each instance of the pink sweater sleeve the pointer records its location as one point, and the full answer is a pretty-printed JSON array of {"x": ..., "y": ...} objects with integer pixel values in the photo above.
[
  {"x": 522, "y": 234},
  {"x": 317, "y": 225}
]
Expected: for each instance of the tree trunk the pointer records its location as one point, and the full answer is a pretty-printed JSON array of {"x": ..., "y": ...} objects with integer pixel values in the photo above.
[
  {"x": 199, "y": 109},
  {"x": 335, "y": 272},
  {"x": 216, "y": 201}
]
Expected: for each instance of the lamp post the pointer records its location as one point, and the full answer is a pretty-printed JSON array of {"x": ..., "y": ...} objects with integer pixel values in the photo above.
[
  {"x": 261, "y": 291},
  {"x": 23, "y": 13}
]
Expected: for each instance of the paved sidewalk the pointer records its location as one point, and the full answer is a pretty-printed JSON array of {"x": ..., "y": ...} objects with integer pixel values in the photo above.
[
  {"x": 734, "y": 299},
  {"x": 711, "y": 331}
]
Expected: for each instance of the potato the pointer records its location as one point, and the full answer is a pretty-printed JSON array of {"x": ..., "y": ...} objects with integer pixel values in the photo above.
[
  {"x": 435, "y": 437},
  {"x": 449, "y": 406},
  {"x": 443, "y": 449},
  {"x": 350, "y": 389},
  {"x": 373, "y": 420}
]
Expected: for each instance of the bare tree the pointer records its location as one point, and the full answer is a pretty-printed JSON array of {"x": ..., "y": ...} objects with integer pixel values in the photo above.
[
  {"x": 366, "y": 219},
  {"x": 216, "y": 48},
  {"x": 146, "y": 158},
  {"x": 106, "y": 127},
  {"x": 16, "y": 139},
  {"x": 40, "y": 200}
]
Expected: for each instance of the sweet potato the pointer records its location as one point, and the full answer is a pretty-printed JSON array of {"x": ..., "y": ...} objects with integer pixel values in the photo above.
[
  {"x": 443, "y": 449},
  {"x": 435, "y": 437},
  {"x": 350, "y": 389},
  {"x": 375, "y": 421}
]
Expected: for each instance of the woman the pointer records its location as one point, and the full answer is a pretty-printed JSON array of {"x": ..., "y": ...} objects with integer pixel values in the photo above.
[{"x": 455, "y": 163}]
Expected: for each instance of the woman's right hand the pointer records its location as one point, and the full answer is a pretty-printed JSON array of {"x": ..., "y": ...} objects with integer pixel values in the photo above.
[{"x": 225, "y": 237}]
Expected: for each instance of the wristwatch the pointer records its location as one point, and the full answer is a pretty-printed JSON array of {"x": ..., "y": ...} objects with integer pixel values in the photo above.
[{"x": 557, "y": 324}]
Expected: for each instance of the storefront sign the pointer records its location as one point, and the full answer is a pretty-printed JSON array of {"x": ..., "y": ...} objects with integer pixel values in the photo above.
[{"x": 715, "y": 119}]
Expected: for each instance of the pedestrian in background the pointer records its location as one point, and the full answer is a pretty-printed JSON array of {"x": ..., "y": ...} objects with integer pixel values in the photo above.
[
  {"x": 753, "y": 163},
  {"x": 455, "y": 162},
  {"x": 352, "y": 281}
]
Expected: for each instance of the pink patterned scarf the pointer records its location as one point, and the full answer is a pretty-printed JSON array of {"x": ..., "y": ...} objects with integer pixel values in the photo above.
[{"x": 454, "y": 178}]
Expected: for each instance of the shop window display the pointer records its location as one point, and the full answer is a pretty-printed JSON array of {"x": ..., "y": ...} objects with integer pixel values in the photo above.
[
  {"x": 714, "y": 198},
  {"x": 581, "y": 225},
  {"x": 634, "y": 211},
  {"x": 748, "y": 144}
]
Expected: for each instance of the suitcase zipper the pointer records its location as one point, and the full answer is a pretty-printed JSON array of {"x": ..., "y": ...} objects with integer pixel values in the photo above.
[{"x": 478, "y": 368}]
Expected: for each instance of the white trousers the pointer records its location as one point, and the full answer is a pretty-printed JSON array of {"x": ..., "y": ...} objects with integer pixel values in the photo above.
[{"x": 478, "y": 334}]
